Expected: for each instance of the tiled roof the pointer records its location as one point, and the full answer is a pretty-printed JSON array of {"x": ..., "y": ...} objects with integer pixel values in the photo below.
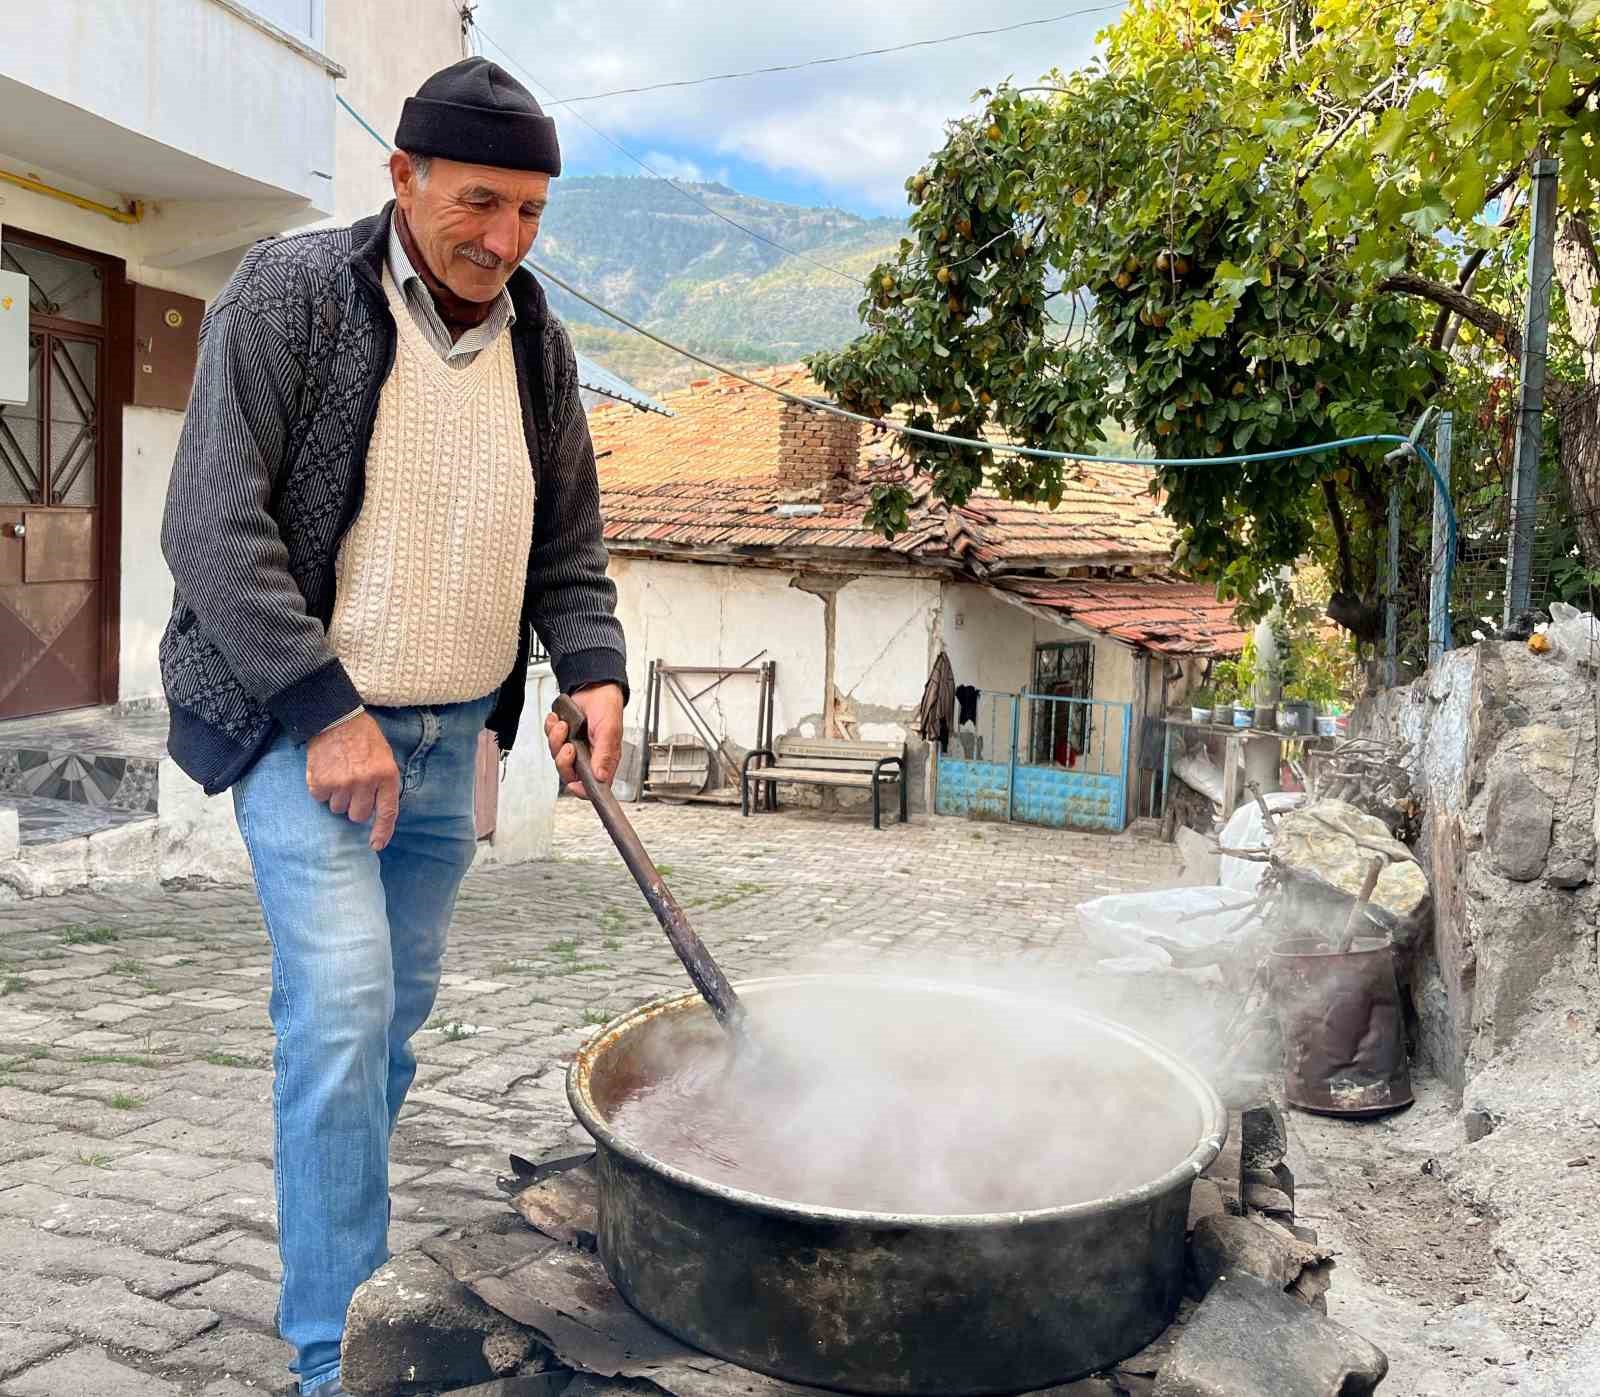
[
  {"x": 708, "y": 478},
  {"x": 1153, "y": 613}
]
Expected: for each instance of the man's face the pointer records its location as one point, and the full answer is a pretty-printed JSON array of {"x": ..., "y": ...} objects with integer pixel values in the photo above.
[{"x": 473, "y": 223}]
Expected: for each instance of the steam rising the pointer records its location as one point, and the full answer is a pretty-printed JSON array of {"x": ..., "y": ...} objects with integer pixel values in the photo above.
[{"x": 908, "y": 1097}]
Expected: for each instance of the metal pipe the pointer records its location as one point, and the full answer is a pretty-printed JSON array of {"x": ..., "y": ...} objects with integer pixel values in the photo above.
[
  {"x": 1530, "y": 410},
  {"x": 1011, "y": 772},
  {"x": 111, "y": 211},
  {"x": 1439, "y": 574},
  {"x": 1391, "y": 628}
]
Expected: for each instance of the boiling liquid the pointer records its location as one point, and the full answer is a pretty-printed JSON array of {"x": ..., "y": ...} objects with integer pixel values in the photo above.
[{"x": 909, "y": 1103}]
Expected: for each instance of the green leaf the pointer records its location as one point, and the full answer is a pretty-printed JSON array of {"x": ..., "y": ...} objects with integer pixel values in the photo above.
[
  {"x": 1467, "y": 191},
  {"x": 1391, "y": 132},
  {"x": 1430, "y": 217},
  {"x": 1557, "y": 90}
]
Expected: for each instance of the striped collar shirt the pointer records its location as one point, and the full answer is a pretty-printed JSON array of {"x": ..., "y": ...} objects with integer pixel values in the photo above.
[{"x": 419, "y": 301}]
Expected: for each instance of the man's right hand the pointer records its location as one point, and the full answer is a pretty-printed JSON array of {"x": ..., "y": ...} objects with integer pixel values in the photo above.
[{"x": 351, "y": 770}]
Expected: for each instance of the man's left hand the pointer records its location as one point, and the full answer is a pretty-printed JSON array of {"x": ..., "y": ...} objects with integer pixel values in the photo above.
[{"x": 602, "y": 706}]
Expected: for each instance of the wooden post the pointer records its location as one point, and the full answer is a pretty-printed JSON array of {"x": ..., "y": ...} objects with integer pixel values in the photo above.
[{"x": 1232, "y": 756}]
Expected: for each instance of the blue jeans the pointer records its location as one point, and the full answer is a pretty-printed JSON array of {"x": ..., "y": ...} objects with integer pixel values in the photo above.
[{"x": 357, "y": 943}]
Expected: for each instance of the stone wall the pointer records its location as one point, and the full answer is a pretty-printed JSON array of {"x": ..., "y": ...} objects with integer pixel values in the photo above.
[{"x": 1505, "y": 744}]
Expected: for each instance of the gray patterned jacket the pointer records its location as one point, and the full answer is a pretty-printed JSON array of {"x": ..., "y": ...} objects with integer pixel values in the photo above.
[{"x": 268, "y": 478}]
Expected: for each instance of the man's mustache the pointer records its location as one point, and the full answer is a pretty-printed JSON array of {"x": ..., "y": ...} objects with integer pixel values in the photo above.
[{"x": 480, "y": 257}]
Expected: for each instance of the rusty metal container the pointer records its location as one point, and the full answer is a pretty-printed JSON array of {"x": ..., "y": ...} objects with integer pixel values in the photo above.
[
  {"x": 891, "y": 1302},
  {"x": 1344, "y": 1039}
]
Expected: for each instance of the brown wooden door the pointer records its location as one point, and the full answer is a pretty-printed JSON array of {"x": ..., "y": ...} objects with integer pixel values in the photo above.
[{"x": 54, "y": 469}]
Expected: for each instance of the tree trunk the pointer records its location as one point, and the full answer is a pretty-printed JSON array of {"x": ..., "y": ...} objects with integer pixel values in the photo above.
[{"x": 1577, "y": 269}]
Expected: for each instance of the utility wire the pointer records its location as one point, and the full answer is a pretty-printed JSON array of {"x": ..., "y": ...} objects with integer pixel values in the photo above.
[
  {"x": 1404, "y": 445},
  {"x": 651, "y": 170},
  {"x": 841, "y": 58}
]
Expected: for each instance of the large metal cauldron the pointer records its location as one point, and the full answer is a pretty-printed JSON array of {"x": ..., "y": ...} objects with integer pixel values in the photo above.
[{"x": 890, "y": 1303}]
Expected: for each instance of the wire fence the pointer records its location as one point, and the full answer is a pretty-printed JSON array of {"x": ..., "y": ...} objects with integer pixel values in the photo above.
[{"x": 1480, "y": 467}]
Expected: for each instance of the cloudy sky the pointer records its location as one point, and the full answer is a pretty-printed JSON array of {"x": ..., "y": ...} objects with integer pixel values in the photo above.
[{"x": 844, "y": 134}]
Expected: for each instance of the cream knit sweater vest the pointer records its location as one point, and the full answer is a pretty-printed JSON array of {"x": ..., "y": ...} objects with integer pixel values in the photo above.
[{"x": 431, "y": 574}]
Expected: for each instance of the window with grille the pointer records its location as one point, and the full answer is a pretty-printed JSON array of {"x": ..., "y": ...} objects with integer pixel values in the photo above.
[
  {"x": 50, "y": 445},
  {"x": 1061, "y": 731}
]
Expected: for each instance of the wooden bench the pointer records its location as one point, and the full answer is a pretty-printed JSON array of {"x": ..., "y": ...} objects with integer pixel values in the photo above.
[{"x": 826, "y": 762}]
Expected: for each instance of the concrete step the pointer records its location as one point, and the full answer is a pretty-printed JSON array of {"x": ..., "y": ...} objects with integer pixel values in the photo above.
[
  {"x": 48, "y": 847},
  {"x": 41, "y": 820}
]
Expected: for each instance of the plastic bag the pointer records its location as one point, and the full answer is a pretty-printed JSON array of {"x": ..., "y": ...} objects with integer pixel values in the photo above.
[
  {"x": 1247, "y": 830},
  {"x": 1117, "y": 927},
  {"x": 1574, "y": 636}
]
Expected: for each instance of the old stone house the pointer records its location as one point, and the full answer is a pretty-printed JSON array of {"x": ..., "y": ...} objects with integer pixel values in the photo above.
[{"x": 736, "y": 531}]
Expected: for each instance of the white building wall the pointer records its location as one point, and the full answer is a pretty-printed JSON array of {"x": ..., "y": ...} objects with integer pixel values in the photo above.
[
  {"x": 687, "y": 613},
  {"x": 386, "y": 47}
]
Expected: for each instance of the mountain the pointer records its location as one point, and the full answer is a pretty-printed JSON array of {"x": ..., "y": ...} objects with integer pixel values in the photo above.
[{"x": 644, "y": 250}]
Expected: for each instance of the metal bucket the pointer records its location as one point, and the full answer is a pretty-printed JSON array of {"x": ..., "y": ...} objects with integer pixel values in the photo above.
[
  {"x": 1344, "y": 1041},
  {"x": 888, "y": 1302}
]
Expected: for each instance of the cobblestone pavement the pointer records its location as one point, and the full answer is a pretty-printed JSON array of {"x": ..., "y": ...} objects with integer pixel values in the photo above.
[{"x": 137, "y": 1253}]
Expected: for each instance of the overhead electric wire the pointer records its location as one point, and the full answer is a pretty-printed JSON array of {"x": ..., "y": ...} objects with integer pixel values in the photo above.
[
  {"x": 1403, "y": 444},
  {"x": 841, "y": 58},
  {"x": 667, "y": 179}
]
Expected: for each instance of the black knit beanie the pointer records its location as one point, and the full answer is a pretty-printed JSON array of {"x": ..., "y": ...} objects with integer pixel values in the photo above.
[{"x": 476, "y": 112}]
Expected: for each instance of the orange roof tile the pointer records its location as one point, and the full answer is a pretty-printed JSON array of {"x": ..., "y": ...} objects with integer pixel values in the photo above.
[
  {"x": 1154, "y": 613},
  {"x": 707, "y": 479}
]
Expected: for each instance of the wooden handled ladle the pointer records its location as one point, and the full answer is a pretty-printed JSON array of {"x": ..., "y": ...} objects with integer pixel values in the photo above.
[{"x": 697, "y": 960}]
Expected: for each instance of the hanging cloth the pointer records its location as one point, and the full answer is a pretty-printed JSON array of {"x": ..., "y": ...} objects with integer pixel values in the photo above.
[
  {"x": 967, "y": 703},
  {"x": 936, "y": 717}
]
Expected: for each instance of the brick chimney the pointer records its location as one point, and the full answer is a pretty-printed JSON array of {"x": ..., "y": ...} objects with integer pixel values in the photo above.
[{"x": 818, "y": 453}]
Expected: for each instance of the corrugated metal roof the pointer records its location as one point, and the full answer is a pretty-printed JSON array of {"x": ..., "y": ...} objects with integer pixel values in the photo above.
[{"x": 602, "y": 381}]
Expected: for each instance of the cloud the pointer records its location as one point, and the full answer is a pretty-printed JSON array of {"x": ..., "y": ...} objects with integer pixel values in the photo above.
[
  {"x": 854, "y": 130},
  {"x": 674, "y": 167}
]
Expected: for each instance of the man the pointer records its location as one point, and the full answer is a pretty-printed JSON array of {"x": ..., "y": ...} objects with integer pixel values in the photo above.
[{"x": 384, "y": 483}]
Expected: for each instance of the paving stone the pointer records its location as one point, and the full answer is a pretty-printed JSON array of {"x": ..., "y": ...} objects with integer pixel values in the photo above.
[
  {"x": 246, "y": 1139},
  {"x": 88, "y": 1371},
  {"x": 107, "y": 1218},
  {"x": 235, "y": 1351},
  {"x": 102, "y": 1311},
  {"x": 234, "y": 1293},
  {"x": 227, "y": 1387},
  {"x": 21, "y": 1347},
  {"x": 174, "y": 1162},
  {"x": 240, "y": 1248},
  {"x": 42, "y": 1253},
  {"x": 18, "y": 1023},
  {"x": 116, "y": 1180},
  {"x": 109, "y": 1015},
  {"x": 97, "y": 1040}
]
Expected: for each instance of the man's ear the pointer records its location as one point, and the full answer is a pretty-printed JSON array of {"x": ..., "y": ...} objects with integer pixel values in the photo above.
[{"x": 403, "y": 177}]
